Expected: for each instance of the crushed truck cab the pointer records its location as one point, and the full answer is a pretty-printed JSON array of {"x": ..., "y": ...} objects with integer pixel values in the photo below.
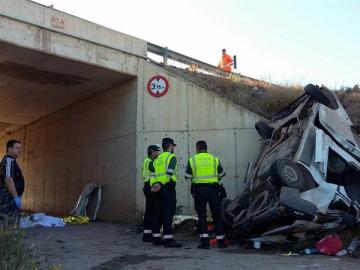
[{"x": 306, "y": 175}]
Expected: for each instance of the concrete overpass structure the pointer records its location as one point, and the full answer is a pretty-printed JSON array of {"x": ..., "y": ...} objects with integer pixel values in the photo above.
[{"x": 75, "y": 93}]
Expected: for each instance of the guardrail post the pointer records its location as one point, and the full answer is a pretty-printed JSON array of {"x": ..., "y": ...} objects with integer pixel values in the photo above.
[{"x": 165, "y": 55}]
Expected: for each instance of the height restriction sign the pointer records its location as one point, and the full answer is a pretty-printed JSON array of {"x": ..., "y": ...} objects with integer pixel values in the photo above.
[{"x": 158, "y": 86}]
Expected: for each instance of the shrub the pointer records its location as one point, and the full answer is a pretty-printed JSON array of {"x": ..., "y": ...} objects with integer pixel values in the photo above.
[{"x": 14, "y": 255}]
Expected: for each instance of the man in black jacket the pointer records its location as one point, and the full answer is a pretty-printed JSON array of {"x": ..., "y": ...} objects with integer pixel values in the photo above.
[{"x": 11, "y": 184}]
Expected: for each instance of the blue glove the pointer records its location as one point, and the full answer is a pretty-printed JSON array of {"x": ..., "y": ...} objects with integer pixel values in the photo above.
[{"x": 18, "y": 202}]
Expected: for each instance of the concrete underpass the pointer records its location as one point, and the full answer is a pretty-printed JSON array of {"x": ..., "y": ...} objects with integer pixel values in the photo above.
[
  {"x": 63, "y": 113},
  {"x": 75, "y": 94}
]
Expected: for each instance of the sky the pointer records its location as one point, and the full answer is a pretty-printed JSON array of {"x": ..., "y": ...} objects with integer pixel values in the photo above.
[{"x": 289, "y": 42}]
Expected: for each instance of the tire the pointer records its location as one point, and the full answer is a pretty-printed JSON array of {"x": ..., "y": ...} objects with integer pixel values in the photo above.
[
  {"x": 285, "y": 172},
  {"x": 322, "y": 95},
  {"x": 264, "y": 130},
  {"x": 224, "y": 204}
]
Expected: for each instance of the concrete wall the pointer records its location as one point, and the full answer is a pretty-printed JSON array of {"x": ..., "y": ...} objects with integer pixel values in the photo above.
[
  {"x": 189, "y": 113},
  {"x": 55, "y": 20},
  {"x": 91, "y": 141},
  {"x": 28, "y": 25}
]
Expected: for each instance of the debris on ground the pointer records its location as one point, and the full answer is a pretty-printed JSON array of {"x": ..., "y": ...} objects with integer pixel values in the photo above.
[
  {"x": 341, "y": 253},
  {"x": 89, "y": 201},
  {"x": 311, "y": 251},
  {"x": 74, "y": 245},
  {"x": 330, "y": 245},
  {"x": 352, "y": 248},
  {"x": 185, "y": 224},
  {"x": 179, "y": 219},
  {"x": 214, "y": 242},
  {"x": 76, "y": 220},
  {"x": 40, "y": 219},
  {"x": 290, "y": 253}
]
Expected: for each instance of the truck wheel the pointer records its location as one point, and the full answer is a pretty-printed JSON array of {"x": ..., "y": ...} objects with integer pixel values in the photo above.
[
  {"x": 285, "y": 172},
  {"x": 264, "y": 130},
  {"x": 322, "y": 95}
]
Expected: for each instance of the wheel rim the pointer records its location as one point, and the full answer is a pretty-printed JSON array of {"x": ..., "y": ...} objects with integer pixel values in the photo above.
[{"x": 289, "y": 174}]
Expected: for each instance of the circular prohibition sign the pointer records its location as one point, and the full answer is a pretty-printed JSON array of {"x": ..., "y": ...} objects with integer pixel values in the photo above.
[{"x": 158, "y": 86}]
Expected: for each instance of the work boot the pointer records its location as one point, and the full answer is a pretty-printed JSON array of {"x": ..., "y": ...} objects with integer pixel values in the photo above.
[
  {"x": 147, "y": 237},
  {"x": 221, "y": 243},
  {"x": 171, "y": 243},
  {"x": 205, "y": 243},
  {"x": 157, "y": 241}
]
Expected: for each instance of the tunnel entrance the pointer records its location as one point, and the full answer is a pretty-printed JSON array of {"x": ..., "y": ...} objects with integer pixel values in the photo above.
[{"x": 74, "y": 121}]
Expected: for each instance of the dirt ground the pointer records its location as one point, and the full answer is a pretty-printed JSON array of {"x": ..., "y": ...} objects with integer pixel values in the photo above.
[{"x": 105, "y": 246}]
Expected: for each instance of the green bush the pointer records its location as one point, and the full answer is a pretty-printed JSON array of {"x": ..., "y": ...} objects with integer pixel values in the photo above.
[{"x": 14, "y": 255}]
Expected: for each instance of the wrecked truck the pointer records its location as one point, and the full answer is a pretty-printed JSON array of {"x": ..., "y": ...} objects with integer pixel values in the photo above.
[{"x": 306, "y": 176}]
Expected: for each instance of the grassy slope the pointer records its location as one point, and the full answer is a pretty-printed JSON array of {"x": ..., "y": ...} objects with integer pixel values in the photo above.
[{"x": 263, "y": 101}]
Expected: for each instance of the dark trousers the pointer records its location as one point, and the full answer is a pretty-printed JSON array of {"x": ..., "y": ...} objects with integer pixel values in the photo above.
[
  {"x": 164, "y": 203},
  {"x": 9, "y": 213},
  {"x": 203, "y": 194},
  {"x": 148, "y": 207}
]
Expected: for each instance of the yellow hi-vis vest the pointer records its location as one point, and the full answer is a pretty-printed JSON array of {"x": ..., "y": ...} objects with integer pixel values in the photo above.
[
  {"x": 145, "y": 170},
  {"x": 204, "y": 168},
  {"x": 161, "y": 165}
]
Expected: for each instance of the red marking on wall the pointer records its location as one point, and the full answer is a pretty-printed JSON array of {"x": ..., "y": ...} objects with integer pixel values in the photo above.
[{"x": 57, "y": 22}]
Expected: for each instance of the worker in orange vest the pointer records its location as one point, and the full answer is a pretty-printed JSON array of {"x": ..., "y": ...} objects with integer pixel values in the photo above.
[{"x": 226, "y": 62}]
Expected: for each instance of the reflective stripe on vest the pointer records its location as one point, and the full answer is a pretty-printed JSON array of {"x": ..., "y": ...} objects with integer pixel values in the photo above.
[
  {"x": 204, "y": 168},
  {"x": 161, "y": 165},
  {"x": 145, "y": 171}
]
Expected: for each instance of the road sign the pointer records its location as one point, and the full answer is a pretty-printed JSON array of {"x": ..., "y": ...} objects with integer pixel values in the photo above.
[{"x": 158, "y": 86}]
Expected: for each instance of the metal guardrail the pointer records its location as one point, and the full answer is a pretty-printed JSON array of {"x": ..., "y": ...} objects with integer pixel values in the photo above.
[{"x": 181, "y": 58}]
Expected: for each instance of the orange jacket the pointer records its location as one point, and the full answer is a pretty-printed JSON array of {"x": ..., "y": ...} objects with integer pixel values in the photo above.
[{"x": 226, "y": 63}]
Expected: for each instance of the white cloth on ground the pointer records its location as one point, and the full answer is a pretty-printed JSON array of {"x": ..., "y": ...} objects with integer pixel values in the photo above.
[{"x": 41, "y": 219}]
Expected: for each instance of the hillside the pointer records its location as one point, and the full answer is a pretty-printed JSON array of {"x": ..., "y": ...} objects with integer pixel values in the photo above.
[
  {"x": 261, "y": 100},
  {"x": 350, "y": 99}
]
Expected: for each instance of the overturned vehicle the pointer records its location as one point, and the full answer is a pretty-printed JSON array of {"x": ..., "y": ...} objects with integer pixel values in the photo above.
[{"x": 307, "y": 174}]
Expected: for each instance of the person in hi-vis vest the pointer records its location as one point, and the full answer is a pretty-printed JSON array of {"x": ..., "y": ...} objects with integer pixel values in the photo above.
[
  {"x": 153, "y": 153},
  {"x": 163, "y": 182},
  {"x": 205, "y": 171}
]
